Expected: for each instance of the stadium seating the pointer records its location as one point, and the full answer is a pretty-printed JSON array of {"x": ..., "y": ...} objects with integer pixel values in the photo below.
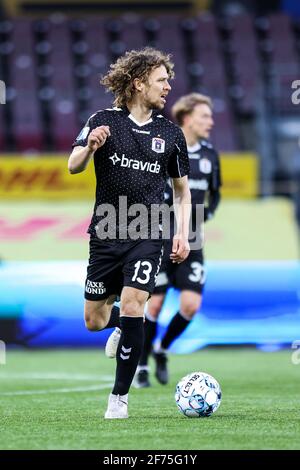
[
  {"x": 132, "y": 33},
  {"x": 96, "y": 60},
  {"x": 208, "y": 54},
  {"x": 27, "y": 127},
  {"x": 285, "y": 61},
  {"x": 168, "y": 38},
  {"x": 53, "y": 76},
  {"x": 63, "y": 107},
  {"x": 243, "y": 44}
]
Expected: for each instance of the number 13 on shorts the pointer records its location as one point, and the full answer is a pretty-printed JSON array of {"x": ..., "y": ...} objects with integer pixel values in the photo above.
[{"x": 142, "y": 272}]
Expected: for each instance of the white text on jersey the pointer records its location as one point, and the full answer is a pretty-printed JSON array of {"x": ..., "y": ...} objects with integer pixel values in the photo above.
[{"x": 135, "y": 164}]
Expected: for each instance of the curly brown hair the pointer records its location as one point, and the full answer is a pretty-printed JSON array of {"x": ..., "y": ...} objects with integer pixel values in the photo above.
[{"x": 134, "y": 64}]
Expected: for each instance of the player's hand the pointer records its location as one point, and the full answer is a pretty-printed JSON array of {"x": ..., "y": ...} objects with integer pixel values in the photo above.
[
  {"x": 180, "y": 249},
  {"x": 97, "y": 137}
]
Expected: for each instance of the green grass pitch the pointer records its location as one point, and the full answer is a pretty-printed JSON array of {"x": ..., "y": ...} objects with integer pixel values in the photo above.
[{"x": 56, "y": 400}]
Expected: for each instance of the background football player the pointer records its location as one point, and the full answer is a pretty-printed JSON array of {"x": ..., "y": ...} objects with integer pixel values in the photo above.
[{"x": 194, "y": 114}]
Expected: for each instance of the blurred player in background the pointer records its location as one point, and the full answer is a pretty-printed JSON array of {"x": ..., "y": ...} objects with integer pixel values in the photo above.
[
  {"x": 135, "y": 149},
  {"x": 193, "y": 113}
]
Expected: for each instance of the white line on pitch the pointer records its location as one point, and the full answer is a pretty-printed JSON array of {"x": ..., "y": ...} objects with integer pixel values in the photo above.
[
  {"x": 54, "y": 376},
  {"x": 57, "y": 390}
]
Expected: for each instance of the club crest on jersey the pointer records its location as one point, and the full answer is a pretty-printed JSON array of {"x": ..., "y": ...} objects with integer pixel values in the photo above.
[
  {"x": 205, "y": 165},
  {"x": 158, "y": 145}
]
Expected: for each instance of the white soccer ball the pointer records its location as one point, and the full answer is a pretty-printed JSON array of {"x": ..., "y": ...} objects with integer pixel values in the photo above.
[{"x": 198, "y": 395}]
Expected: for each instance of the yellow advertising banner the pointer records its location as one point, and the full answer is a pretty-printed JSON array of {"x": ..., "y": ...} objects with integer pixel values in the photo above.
[
  {"x": 240, "y": 175},
  {"x": 47, "y": 177}
]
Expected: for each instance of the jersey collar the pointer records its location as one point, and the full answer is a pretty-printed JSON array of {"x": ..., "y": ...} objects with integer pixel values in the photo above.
[
  {"x": 137, "y": 123},
  {"x": 140, "y": 124},
  {"x": 194, "y": 148}
]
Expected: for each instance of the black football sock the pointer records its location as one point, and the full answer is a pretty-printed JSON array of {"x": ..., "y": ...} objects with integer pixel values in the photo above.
[
  {"x": 150, "y": 329},
  {"x": 114, "y": 319},
  {"x": 175, "y": 328},
  {"x": 128, "y": 352}
]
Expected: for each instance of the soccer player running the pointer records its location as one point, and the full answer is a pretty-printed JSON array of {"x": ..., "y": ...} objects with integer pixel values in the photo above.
[
  {"x": 193, "y": 113},
  {"x": 135, "y": 150}
]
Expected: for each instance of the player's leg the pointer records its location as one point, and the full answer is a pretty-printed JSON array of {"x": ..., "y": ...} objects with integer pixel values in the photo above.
[
  {"x": 101, "y": 314},
  {"x": 153, "y": 310},
  {"x": 190, "y": 303},
  {"x": 112, "y": 343},
  {"x": 113, "y": 340},
  {"x": 129, "y": 349},
  {"x": 151, "y": 314},
  {"x": 154, "y": 307},
  {"x": 141, "y": 265},
  {"x": 103, "y": 283},
  {"x": 189, "y": 278}
]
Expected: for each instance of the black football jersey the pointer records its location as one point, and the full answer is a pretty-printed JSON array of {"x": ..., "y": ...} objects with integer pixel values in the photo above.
[
  {"x": 136, "y": 160},
  {"x": 204, "y": 173}
]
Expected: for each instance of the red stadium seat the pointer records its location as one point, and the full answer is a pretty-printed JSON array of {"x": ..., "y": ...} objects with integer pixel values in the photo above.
[
  {"x": 63, "y": 106},
  {"x": 96, "y": 59},
  {"x": 27, "y": 126},
  {"x": 169, "y": 38},
  {"x": 208, "y": 55},
  {"x": 54, "y": 86},
  {"x": 132, "y": 32},
  {"x": 244, "y": 46}
]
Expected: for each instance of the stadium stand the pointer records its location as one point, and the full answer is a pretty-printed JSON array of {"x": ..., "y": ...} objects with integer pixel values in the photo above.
[
  {"x": 242, "y": 44},
  {"x": 208, "y": 56},
  {"x": 131, "y": 32},
  {"x": 25, "y": 106},
  {"x": 92, "y": 59},
  {"x": 53, "y": 76},
  {"x": 168, "y": 37},
  {"x": 63, "y": 108},
  {"x": 285, "y": 62}
]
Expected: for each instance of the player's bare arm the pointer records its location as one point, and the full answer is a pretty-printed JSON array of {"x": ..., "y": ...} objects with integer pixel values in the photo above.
[
  {"x": 182, "y": 204},
  {"x": 81, "y": 156}
]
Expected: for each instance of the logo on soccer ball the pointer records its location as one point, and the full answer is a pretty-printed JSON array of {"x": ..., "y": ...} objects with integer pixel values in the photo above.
[
  {"x": 198, "y": 395},
  {"x": 158, "y": 145}
]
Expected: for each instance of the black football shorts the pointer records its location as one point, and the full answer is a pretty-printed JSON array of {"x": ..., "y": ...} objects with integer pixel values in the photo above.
[
  {"x": 188, "y": 275},
  {"x": 115, "y": 264}
]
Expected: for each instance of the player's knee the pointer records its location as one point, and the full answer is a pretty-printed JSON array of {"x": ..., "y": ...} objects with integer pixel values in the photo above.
[
  {"x": 189, "y": 309},
  {"x": 95, "y": 324},
  {"x": 155, "y": 305},
  {"x": 131, "y": 308},
  {"x": 91, "y": 325},
  {"x": 154, "y": 310}
]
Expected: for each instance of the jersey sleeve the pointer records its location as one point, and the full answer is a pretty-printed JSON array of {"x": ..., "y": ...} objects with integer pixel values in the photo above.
[
  {"x": 82, "y": 137},
  {"x": 178, "y": 165},
  {"x": 216, "y": 181}
]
